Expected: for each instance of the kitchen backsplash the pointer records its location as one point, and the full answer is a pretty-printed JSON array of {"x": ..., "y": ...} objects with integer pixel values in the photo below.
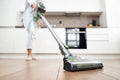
[{"x": 78, "y": 21}]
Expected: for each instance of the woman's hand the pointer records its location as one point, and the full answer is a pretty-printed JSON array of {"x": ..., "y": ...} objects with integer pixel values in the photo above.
[
  {"x": 41, "y": 23},
  {"x": 34, "y": 6}
]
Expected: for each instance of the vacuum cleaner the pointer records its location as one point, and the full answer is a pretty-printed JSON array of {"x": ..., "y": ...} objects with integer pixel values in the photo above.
[{"x": 71, "y": 62}]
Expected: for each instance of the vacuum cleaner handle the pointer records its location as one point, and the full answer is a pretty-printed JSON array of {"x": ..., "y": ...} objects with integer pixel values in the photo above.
[{"x": 63, "y": 49}]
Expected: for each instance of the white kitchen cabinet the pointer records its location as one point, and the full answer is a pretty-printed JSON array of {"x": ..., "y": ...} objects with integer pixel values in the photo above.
[
  {"x": 97, "y": 34},
  {"x": 14, "y": 40},
  {"x": 73, "y": 5},
  {"x": 69, "y": 5}
]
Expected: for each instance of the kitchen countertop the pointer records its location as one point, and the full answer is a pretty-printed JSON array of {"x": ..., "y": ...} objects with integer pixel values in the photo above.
[
  {"x": 83, "y": 27},
  {"x": 70, "y": 27}
]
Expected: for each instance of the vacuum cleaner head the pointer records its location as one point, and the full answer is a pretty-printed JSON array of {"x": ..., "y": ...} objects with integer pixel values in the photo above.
[{"x": 74, "y": 63}]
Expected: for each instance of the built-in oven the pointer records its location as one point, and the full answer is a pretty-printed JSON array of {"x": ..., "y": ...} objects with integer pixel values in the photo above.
[{"x": 76, "y": 38}]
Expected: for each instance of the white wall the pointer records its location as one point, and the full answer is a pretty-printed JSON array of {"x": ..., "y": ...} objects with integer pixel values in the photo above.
[
  {"x": 113, "y": 13},
  {"x": 8, "y": 11},
  {"x": 113, "y": 22}
]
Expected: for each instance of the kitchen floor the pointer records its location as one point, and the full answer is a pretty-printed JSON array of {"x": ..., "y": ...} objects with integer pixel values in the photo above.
[{"x": 52, "y": 69}]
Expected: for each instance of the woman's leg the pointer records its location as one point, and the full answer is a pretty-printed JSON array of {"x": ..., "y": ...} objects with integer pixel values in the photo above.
[
  {"x": 29, "y": 52},
  {"x": 30, "y": 41}
]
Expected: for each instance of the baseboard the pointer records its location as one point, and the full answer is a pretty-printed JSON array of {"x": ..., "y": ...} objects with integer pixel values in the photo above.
[{"x": 57, "y": 56}]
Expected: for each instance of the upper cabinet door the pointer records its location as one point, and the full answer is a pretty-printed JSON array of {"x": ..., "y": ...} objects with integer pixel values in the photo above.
[
  {"x": 69, "y": 5},
  {"x": 74, "y": 5}
]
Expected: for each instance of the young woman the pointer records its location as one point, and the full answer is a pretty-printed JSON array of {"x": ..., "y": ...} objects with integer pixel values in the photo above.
[{"x": 30, "y": 25}]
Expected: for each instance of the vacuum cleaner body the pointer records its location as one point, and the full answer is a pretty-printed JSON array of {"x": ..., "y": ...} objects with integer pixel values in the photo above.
[{"x": 71, "y": 63}]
